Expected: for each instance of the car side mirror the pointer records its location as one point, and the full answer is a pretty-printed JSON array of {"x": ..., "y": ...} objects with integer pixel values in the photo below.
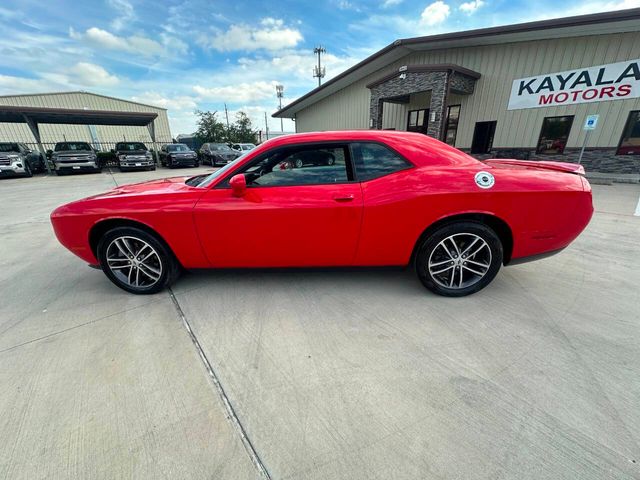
[{"x": 238, "y": 185}]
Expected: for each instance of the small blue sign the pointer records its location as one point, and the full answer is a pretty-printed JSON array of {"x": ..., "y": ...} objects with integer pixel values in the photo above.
[{"x": 591, "y": 122}]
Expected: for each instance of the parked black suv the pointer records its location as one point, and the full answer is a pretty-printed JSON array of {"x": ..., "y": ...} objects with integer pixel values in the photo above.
[
  {"x": 217, "y": 153},
  {"x": 134, "y": 156},
  {"x": 18, "y": 159},
  {"x": 178, "y": 155}
]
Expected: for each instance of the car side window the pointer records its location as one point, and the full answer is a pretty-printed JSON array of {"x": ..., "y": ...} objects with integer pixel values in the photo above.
[
  {"x": 311, "y": 165},
  {"x": 373, "y": 160}
]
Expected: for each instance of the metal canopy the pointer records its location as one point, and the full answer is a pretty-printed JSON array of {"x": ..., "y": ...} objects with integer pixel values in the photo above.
[
  {"x": 33, "y": 116},
  {"x": 13, "y": 114}
]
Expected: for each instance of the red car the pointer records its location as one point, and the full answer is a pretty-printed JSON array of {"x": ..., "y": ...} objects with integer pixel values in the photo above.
[{"x": 388, "y": 198}]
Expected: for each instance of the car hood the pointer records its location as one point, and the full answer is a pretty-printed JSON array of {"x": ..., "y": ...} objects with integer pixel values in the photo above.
[
  {"x": 152, "y": 187},
  {"x": 71, "y": 152}
]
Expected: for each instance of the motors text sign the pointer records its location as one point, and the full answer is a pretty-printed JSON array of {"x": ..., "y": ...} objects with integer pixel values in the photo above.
[{"x": 615, "y": 81}]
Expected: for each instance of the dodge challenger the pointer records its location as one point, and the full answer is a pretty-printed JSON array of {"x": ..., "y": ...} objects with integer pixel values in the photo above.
[{"x": 386, "y": 199}]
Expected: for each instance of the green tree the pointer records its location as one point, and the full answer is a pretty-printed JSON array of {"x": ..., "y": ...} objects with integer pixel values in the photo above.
[
  {"x": 241, "y": 131},
  {"x": 209, "y": 128}
]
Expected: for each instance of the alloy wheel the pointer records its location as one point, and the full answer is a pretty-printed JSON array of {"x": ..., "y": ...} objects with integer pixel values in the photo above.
[
  {"x": 460, "y": 261},
  {"x": 134, "y": 262}
]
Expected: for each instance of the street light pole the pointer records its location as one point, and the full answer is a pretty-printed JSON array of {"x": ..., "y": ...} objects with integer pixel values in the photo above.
[{"x": 280, "y": 94}]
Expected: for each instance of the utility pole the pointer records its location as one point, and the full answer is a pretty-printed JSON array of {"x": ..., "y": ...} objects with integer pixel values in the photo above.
[
  {"x": 226, "y": 114},
  {"x": 319, "y": 71},
  {"x": 280, "y": 94},
  {"x": 266, "y": 126}
]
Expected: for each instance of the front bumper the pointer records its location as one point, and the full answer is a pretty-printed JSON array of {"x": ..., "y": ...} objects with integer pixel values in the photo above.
[
  {"x": 76, "y": 167},
  {"x": 135, "y": 164},
  {"x": 182, "y": 162},
  {"x": 11, "y": 170}
]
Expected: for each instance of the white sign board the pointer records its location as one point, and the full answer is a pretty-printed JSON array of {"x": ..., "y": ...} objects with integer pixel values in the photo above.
[
  {"x": 591, "y": 122},
  {"x": 615, "y": 81}
]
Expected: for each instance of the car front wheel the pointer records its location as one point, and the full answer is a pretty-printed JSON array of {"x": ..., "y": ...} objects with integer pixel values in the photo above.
[
  {"x": 459, "y": 259},
  {"x": 137, "y": 261}
]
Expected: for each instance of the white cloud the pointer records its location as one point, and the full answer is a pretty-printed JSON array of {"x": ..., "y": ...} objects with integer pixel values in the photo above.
[
  {"x": 126, "y": 14},
  {"x": 272, "y": 34},
  {"x": 180, "y": 102},
  {"x": 470, "y": 7},
  {"x": 91, "y": 75},
  {"x": 135, "y": 44},
  {"x": 391, "y": 3},
  {"x": 10, "y": 85},
  {"x": 435, "y": 13},
  {"x": 237, "y": 93}
]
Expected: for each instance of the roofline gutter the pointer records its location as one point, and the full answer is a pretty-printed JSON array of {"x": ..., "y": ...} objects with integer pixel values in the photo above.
[{"x": 564, "y": 22}]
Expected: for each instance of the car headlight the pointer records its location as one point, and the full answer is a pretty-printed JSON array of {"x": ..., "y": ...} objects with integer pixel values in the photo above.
[
  {"x": 121, "y": 157},
  {"x": 13, "y": 156},
  {"x": 148, "y": 155}
]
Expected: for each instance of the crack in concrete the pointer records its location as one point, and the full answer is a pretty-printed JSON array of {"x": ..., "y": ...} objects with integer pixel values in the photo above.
[{"x": 231, "y": 413}]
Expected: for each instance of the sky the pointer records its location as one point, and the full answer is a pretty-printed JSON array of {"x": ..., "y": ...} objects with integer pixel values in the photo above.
[{"x": 185, "y": 55}]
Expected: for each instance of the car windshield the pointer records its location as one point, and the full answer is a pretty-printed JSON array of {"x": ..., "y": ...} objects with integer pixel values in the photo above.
[
  {"x": 220, "y": 147},
  {"x": 177, "y": 147},
  {"x": 9, "y": 147},
  {"x": 130, "y": 146},
  {"x": 218, "y": 173},
  {"x": 63, "y": 147},
  {"x": 246, "y": 147}
]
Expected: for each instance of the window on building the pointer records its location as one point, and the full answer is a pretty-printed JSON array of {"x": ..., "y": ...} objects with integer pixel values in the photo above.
[
  {"x": 418, "y": 121},
  {"x": 373, "y": 160},
  {"x": 554, "y": 134},
  {"x": 451, "y": 125},
  {"x": 630, "y": 140},
  {"x": 483, "y": 137}
]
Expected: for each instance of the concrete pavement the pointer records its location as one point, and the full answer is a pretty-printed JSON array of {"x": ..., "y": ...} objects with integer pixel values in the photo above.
[{"x": 332, "y": 374}]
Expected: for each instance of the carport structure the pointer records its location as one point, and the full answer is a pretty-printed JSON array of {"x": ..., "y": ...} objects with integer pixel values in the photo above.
[{"x": 34, "y": 116}]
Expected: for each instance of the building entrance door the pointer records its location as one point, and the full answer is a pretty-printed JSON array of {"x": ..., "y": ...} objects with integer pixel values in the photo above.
[{"x": 418, "y": 121}]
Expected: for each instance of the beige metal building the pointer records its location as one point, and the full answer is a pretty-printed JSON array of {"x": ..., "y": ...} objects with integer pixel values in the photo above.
[
  {"x": 102, "y": 136},
  {"x": 523, "y": 91}
]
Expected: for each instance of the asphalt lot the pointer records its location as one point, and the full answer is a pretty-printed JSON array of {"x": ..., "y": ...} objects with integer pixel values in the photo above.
[{"x": 358, "y": 374}]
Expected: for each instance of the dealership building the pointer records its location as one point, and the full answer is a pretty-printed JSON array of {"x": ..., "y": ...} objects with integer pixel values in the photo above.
[
  {"x": 539, "y": 90},
  {"x": 42, "y": 120}
]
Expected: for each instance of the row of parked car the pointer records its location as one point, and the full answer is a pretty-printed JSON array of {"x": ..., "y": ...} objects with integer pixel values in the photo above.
[{"x": 76, "y": 157}]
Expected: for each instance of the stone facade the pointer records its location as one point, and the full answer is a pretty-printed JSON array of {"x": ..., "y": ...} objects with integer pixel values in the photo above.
[{"x": 599, "y": 160}]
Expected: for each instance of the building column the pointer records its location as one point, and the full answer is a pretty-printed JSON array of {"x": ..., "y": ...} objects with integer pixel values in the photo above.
[
  {"x": 438, "y": 106},
  {"x": 375, "y": 112},
  {"x": 35, "y": 131}
]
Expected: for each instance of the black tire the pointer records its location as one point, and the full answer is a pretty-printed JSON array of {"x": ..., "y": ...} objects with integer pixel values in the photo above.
[
  {"x": 467, "y": 282},
  {"x": 298, "y": 163},
  {"x": 60, "y": 173},
  {"x": 197, "y": 164},
  {"x": 169, "y": 266}
]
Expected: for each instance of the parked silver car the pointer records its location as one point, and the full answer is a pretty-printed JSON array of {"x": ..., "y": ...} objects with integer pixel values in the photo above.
[
  {"x": 18, "y": 159},
  {"x": 74, "y": 157}
]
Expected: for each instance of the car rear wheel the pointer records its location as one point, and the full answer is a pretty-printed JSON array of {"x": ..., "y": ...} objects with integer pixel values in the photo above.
[
  {"x": 459, "y": 259},
  {"x": 137, "y": 261}
]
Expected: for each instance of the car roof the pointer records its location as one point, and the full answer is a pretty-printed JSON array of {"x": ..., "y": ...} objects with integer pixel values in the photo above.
[{"x": 419, "y": 148}]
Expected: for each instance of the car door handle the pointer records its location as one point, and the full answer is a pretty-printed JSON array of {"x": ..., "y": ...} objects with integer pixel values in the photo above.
[{"x": 344, "y": 198}]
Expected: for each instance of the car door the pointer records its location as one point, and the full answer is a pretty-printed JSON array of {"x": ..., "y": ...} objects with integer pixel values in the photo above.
[{"x": 288, "y": 216}]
